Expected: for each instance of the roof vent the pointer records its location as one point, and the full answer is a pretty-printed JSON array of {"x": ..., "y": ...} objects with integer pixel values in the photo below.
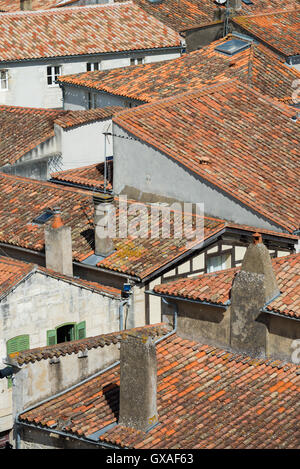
[{"x": 232, "y": 47}]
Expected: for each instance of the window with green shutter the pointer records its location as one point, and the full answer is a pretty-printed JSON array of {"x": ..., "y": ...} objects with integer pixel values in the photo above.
[
  {"x": 80, "y": 331},
  {"x": 51, "y": 337},
  {"x": 17, "y": 344}
]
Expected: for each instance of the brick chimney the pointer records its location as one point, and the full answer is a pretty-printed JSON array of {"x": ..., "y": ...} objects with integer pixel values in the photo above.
[
  {"x": 26, "y": 5},
  {"x": 58, "y": 246},
  {"x": 138, "y": 382},
  {"x": 104, "y": 211},
  {"x": 254, "y": 286}
]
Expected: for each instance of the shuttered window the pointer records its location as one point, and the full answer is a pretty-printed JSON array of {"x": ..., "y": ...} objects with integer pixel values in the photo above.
[
  {"x": 17, "y": 344},
  {"x": 51, "y": 337},
  {"x": 80, "y": 330}
]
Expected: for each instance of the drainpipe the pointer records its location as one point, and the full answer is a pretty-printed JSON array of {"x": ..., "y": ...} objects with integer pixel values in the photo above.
[{"x": 175, "y": 314}]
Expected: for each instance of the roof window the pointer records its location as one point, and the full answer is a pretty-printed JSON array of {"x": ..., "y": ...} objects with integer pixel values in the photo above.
[
  {"x": 44, "y": 217},
  {"x": 232, "y": 47}
]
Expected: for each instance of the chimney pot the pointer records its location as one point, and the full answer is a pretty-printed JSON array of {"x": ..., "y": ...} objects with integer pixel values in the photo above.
[
  {"x": 57, "y": 221},
  {"x": 257, "y": 238},
  {"x": 138, "y": 382}
]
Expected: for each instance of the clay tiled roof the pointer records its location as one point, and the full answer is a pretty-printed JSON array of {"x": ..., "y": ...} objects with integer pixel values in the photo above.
[
  {"x": 207, "y": 398},
  {"x": 215, "y": 287},
  {"x": 23, "y": 128},
  {"x": 14, "y": 5},
  {"x": 75, "y": 346},
  {"x": 186, "y": 14},
  {"x": 14, "y": 271},
  {"x": 210, "y": 132},
  {"x": 11, "y": 273},
  {"x": 70, "y": 119},
  {"x": 280, "y": 30},
  {"x": 88, "y": 177},
  {"x": 76, "y": 30},
  {"x": 22, "y": 200},
  {"x": 256, "y": 65}
]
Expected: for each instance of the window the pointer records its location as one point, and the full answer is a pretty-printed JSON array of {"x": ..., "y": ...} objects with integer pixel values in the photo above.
[
  {"x": 215, "y": 263},
  {"x": 92, "y": 100},
  {"x": 43, "y": 218},
  {"x": 137, "y": 61},
  {"x": 53, "y": 73},
  {"x": 17, "y": 344},
  {"x": 91, "y": 66},
  {"x": 4, "y": 80},
  {"x": 66, "y": 333}
]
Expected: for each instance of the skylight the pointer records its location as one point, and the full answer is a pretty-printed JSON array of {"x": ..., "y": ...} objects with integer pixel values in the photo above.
[
  {"x": 44, "y": 217},
  {"x": 232, "y": 47}
]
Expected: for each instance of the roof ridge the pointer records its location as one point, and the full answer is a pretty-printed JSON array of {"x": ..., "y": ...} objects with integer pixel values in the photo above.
[
  {"x": 57, "y": 10},
  {"x": 264, "y": 13}
]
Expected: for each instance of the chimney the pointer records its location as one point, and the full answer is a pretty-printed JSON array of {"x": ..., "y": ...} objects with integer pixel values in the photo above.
[
  {"x": 58, "y": 246},
  {"x": 138, "y": 382},
  {"x": 254, "y": 286},
  {"x": 235, "y": 4},
  {"x": 26, "y": 5},
  {"x": 104, "y": 212}
]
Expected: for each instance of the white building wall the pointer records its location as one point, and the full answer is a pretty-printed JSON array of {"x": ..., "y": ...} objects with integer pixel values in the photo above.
[
  {"x": 27, "y": 80},
  {"x": 85, "y": 144},
  {"x": 42, "y": 303}
]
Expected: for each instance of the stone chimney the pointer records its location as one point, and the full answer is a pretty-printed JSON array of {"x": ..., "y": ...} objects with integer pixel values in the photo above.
[
  {"x": 26, "y": 5},
  {"x": 104, "y": 211},
  {"x": 138, "y": 382},
  {"x": 58, "y": 246},
  {"x": 254, "y": 286}
]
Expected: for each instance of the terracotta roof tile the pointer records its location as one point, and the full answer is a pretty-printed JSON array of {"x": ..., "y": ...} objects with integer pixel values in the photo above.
[
  {"x": 13, "y": 271},
  {"x": 187, "y": 14},
  {"x": 149, "y": 82},
  {"x": 215, "y": 287},
  {"x": 280, "y": 30},
  {"x": 14, "y": 5},
  {"x": 227, "y": 401},
  {"x": 69, "y": 119},
  {"x": 141, "y": 256},
  {"x": 214, "y": 138},
  {"x": 75, "y": 346},
  {"x": 23, "y": 128},
  {"x": 72, "y": 31},
  {"x": 89, "y": 177}
]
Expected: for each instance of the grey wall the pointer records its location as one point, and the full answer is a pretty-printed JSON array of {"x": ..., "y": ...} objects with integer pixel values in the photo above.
[{"x": 144, "y": 173}]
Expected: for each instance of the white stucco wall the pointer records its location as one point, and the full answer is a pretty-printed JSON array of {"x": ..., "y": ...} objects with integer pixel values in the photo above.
[
  {"x": 85, "y": 144},
  {"x": 41, "y": 303},
  {"x": 27, "y": 80}
]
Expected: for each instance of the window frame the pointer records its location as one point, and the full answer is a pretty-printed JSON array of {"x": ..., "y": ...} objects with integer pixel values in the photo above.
[
  {"x": 135, "y": 60},
  {"x": 92, "y": 100},
  {"x": 53, "y": 75},
  {"x": 4, "y": 71},
  {"x": 91, "y": 65}
]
